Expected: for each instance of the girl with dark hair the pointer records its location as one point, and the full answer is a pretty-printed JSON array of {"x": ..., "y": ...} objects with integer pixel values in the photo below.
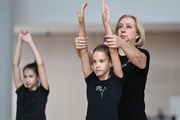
[
  {"x": 104, "y": 87},
  {"x": 32, "y": 91}
]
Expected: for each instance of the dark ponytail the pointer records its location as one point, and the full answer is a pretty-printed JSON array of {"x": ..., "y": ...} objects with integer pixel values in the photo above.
[{"x": 32, "y": 66}]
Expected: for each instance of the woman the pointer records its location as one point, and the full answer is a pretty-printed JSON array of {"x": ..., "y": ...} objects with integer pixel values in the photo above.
[
  {"x": 128, "y": 37},
  {"x": 135, "y": 64}
]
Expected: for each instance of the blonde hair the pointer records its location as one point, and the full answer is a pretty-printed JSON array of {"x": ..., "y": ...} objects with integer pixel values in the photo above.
[{"x": 139, "y": 28}]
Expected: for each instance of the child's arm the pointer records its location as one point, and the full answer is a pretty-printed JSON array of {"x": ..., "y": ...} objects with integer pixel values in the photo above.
[
  {"x": 79, "y": 43},
  {"x": 40, "y": 63},
  {"x": 80, "y": 15},
  {"x": 82, "y": 51},
  {"x": 17, "y": 56},
  {"x": 113, "y": 51},
  {"x": 106, "y": 18}
]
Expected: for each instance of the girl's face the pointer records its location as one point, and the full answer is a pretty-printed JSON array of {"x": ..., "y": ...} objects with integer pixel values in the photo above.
[
  {"x": 127, "y": 30},
  {"x": 101, "y": 64},
  {"x": 30, "y": 79}
]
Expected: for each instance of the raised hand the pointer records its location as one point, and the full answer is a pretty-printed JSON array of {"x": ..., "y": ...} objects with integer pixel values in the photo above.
[
  {"x": 80, "y": 13},
  {"x": 26, "y": 36},
  {"x": 105, "y": 12},
  {"x": 20, "y": 36}
]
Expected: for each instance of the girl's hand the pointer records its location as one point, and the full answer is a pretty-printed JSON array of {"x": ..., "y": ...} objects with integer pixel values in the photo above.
[
  {"x": 22, "y": 32},
  {"x": 105, "y": 12},
  {"x": 20, "y": 36},
  {"x": 80, "y": 42},
  {"x": 26, "y": 36},
  {"x": 80, "y": 14}
]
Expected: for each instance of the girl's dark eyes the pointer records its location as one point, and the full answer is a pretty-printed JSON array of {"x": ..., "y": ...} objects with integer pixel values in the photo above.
[
  {"x": 31, "y": 76},
  {"x": 101, "y": 61}
]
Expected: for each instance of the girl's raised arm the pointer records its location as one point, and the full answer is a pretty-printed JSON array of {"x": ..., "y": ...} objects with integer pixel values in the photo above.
[
  {"x": 113, "y": 51},
  {"x": 80, "y": 15},
  {"x": 82, "y": 51},
  {"x": 40, "y": 63},
  {"x": 17, "y": 56}
]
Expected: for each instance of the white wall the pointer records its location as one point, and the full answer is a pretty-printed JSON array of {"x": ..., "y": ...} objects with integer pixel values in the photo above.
[{"x": 64, "y": 11}]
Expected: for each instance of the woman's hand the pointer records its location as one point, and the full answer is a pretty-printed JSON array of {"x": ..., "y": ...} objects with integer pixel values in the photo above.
[
  {"x": 113, "y": 41},
  {"x": 80, "y": 42}
]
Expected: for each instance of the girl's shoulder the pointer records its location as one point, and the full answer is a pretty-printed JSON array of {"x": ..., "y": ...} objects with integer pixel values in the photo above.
[
  {"x": 21, "y": 88},
  {"x": 43, "y": 89},
  {"x": 91, "y": 76},
  {"x": 116, "y": 78}
]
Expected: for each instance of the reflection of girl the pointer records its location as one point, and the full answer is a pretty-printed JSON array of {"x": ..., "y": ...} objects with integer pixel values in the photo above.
[
  {"x": 103, "y": 85},
  {"x": 32, "y": 95}
]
